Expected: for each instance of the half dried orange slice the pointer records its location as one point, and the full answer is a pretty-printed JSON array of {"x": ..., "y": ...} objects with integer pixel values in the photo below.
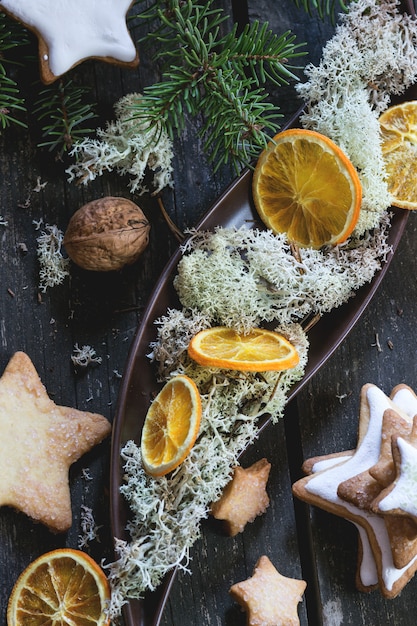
[
  {"x": 171, "y": 426},
  {"x": 64, "y": 586},
  {"x": 399, "y": 149},
  {"x": 259, "y": 350},
  {"x": 306, "y": 187}
]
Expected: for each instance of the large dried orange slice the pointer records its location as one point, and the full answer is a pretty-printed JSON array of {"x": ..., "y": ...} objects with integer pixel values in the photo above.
[
  {"x": 171, "y": 426},
  {"x": 65, "y": 587},
  {"x": 306, "y": 187},
  {"x": 259, "y": 350},
  {"x": 399, "y": 148}
]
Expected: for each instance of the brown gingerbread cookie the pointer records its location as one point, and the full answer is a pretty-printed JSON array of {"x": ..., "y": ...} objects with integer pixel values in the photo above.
[{"x": 400, "y": 497}]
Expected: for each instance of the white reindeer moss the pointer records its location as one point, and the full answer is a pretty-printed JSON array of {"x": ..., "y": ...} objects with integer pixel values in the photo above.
[
  {"x": 372, "y": 56},
  {"x": 248, "y": 277},
  {"x": 53, "y": 266},
  {"x": 127, "y": 146}
]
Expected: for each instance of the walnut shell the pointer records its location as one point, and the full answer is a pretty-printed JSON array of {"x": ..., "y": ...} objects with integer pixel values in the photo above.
[{"x": 106, "y": 234}]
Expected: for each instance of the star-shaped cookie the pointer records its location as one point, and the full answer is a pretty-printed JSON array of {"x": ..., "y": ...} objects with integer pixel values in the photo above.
[
  {"x": 39, "y": 441},
  {"x": 244, "y": 497},
  {"x": 268, "y": 597},
  {"x": 364, "y": 489},
  {"x": 366, "y": 574},
  {"x": 321, "y": 488},
  {"x": 70, "y": 31},
  {"x": 400, "y": 497}
]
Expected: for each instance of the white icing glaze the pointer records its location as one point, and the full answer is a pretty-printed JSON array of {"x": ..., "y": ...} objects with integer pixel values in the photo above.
[
  {"x": 367, "y": 567},
  {"x": 406, "y": 401},
  {"x": 325, "y": 484},
  {"x": 328, "y": 463},
  {"x": 404, "y": 494},
  {"x": 77, "y": 29}
]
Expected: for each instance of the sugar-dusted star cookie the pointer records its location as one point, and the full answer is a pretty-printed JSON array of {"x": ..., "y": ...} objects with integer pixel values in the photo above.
[
  {"x": 39, "y": 441},
  {"x": 70, "y": 31},
  {"x": 244, "y": 497},
  {"x": 268, "y": 597},
  {"x": 321, "y": 488}
]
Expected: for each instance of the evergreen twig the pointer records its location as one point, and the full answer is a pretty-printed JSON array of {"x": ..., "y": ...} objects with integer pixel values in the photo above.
[
  {"x": 63, "y": 110},
  {"x": 11, "y": 102},
  {"x": 221, "y": 76}
]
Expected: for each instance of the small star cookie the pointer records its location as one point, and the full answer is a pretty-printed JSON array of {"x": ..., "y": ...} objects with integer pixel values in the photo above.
[
  {"x": 268, "y": 597},
  {"x": 70, "y": 31},
  {"x": 39, "y": 441},
  {"x": 244, "y": 497}
]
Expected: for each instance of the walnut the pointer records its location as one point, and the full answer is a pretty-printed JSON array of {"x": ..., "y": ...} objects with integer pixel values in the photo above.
[{"x": 107, "y": 234}]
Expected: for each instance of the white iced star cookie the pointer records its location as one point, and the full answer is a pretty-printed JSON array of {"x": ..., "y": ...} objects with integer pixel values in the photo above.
[
  {"x": 71, "y": 31},
  {"x": 320, "y": 488}
]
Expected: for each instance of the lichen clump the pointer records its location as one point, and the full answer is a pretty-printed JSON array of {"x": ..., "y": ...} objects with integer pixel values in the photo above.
[
  {"x": 372, "y": 56},
  {"x": 247, "y": 277},
  {"x": 54, "y": 267},
  {"x": 127, "y": 146}
]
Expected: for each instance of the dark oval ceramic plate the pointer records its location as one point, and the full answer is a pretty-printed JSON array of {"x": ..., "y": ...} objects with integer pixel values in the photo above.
[{"x": 233, "y": 209}]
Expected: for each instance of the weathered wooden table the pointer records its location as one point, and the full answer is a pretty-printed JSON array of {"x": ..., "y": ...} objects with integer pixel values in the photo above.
[{"x": 104, "y": 310}]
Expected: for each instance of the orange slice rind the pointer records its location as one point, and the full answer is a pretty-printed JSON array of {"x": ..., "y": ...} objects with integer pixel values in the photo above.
[
  {"x": 171, "y": 426},
  {"x": 259, "y": 350},
  {"x": 399, "y": 150},
  {"x": 306, "y": 187},
  {"x": 64, "y": 586}
]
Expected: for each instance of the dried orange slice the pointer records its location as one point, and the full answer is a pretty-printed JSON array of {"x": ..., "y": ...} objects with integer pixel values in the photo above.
[
  {"x": 171, "y": 426},
  {"x": 259, "y": 350},
  {"x": 64, "y": 586},
  {"x": 399, "y": 149},
  {"x": 306, "y": 187}
]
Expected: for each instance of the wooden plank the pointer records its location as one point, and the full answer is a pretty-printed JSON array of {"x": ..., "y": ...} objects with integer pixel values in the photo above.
[
  {"x": 309, "y": 31},
  {"x": 328, "y": 410}
]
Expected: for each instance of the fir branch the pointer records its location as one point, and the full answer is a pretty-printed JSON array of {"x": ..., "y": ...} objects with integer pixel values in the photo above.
[
  {"x": 11, "y": 102},
  {"x": 63, "y": 110},
  {"x": 221, "y": 76},
  {"x": 12, "y": 34}
]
